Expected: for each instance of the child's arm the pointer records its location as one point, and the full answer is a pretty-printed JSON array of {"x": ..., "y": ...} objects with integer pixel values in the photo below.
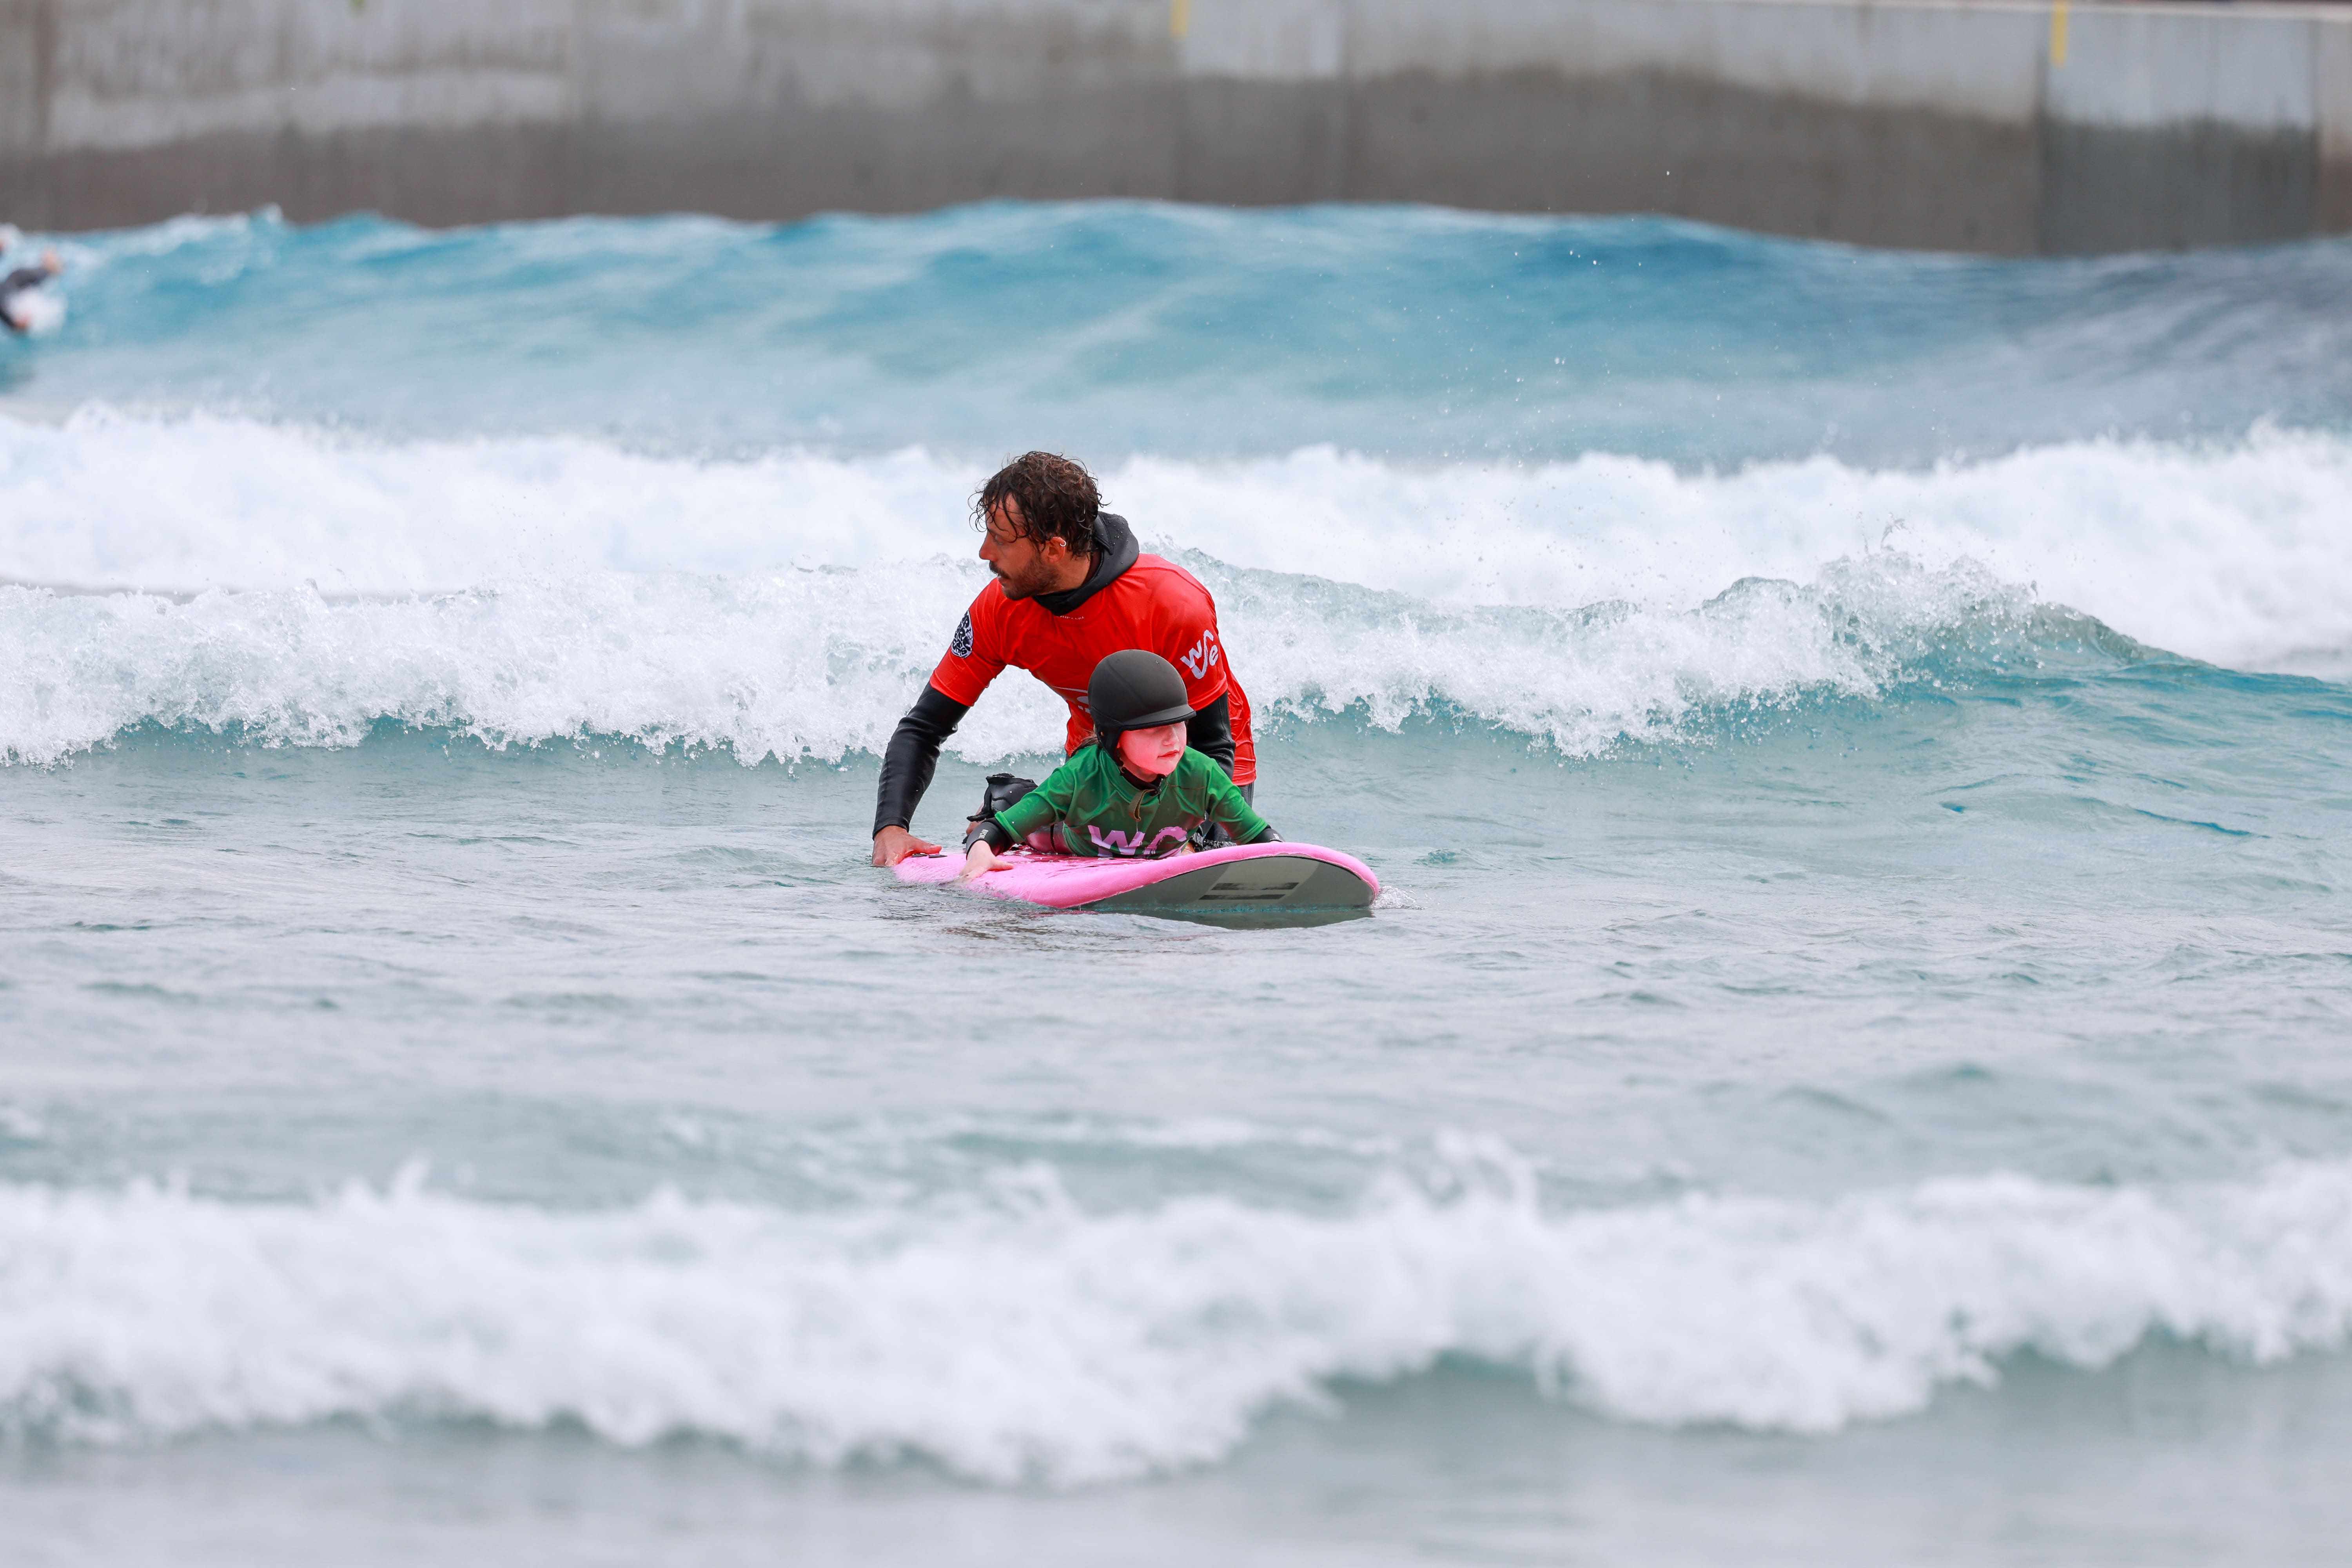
[
  {"x": 1033, "y": 811},
  {"x": 1236, "y": 816},
  {"x": 979, "y": 861},
  {"x": 1036, "y": 809}
]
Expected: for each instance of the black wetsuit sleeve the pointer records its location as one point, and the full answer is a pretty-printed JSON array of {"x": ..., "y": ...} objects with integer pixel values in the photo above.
[
  {"x": 912, "y": 755},
  {"x": 1209, "y": 731}
]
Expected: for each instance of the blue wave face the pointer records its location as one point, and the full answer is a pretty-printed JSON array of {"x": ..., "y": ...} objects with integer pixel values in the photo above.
[{"x": 1113, "y": 329}]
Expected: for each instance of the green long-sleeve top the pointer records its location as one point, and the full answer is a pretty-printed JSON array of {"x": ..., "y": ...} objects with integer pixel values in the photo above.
[{"x": 1101, "y": 811}]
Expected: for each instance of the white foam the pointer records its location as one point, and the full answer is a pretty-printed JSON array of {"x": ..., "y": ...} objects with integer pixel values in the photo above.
[
  {"x": 789, "y": 606},
  {"x": 2231, "y": 552},
  {"x": 816, "y": 664},
  {"x": 1030, "y": 1338},
  {"x": 804, "y": 664},
  {"x": 183, "y": 505}
]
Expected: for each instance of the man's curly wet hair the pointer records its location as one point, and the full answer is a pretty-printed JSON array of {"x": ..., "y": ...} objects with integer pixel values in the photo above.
[{"x": 1053, "y": 498}]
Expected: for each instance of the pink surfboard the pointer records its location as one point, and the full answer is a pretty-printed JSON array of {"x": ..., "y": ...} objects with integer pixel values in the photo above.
[{"x": 1255, "y": 880}]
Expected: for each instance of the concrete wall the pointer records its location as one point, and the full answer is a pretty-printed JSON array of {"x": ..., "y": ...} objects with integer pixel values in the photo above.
[{"x": 1977, "y": 126}]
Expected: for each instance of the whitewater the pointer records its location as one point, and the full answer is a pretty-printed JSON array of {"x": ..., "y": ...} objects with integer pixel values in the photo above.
[{"x": 1855, "y": 744}]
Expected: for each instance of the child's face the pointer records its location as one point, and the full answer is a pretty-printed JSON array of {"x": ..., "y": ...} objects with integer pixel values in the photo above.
[{"x": 1152, "y": 753}]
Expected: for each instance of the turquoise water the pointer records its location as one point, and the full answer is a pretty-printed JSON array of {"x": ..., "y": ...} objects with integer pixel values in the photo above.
[{"x": 1850, "y": 1064}]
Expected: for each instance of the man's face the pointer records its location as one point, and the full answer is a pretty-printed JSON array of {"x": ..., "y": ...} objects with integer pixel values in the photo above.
[{"x": 1022, "y": 566}]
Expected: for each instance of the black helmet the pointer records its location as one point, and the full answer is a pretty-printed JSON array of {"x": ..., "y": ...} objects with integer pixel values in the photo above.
[{"x": 1134, "y": 689}]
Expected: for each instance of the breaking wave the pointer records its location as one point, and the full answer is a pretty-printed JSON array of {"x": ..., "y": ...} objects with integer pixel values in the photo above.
[
  {"x": 1028, "y": 1339},
  {"x": 298, "y": 586},
  {"x": 814, "y": 665},
  {"x": 2229, "y": 553}
]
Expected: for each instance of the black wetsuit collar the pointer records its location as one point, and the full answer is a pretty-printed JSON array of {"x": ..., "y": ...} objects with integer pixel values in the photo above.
[{"x": 1115, "y": 551}]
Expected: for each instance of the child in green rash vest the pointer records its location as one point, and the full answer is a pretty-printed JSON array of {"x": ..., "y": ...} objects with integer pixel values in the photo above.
[{"x": 1134, "y": 790}]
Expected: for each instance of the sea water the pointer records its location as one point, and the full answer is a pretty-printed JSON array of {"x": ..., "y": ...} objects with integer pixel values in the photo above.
[{"x": 1850, "y": 1064}]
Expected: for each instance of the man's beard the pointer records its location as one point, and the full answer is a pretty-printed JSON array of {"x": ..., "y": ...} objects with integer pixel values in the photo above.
[
  {"x": 1023, "y": 587},
  {"x": 1009, "y": 586}
]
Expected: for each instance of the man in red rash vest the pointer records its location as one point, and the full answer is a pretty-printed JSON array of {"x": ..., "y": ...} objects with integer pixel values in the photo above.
[{"x": 1069, "y": 588}]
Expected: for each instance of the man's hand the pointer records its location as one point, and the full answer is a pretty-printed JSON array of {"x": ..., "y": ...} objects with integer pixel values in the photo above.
[{"x": 893, "y": 845}]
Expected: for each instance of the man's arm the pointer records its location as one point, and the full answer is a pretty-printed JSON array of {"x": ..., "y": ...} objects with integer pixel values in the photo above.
[
  {"x": 907, "y": 764},
  {"x": 1209, "y": 731}
]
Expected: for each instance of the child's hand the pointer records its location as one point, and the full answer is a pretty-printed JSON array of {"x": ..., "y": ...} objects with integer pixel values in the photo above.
[{"x": 979, "y": 862}]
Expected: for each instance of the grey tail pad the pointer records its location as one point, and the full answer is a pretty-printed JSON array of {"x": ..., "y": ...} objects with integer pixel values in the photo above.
[{"x": 1268, "y": 884}]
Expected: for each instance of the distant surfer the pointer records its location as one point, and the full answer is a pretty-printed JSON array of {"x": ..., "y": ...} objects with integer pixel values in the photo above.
[
  {"x": 17, "y": 292},
  {"x": 1070, "y": 590},
  {"x": 1134, "y": 791}
]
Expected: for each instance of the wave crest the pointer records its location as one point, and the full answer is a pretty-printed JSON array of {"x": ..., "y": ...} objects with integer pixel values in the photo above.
[
  {"x": 2231, "y": 553},
  {"x": 1034, "y": 1340},
  {"x": 784, "y": 606},
  {"x": 819, "y": 664}
]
